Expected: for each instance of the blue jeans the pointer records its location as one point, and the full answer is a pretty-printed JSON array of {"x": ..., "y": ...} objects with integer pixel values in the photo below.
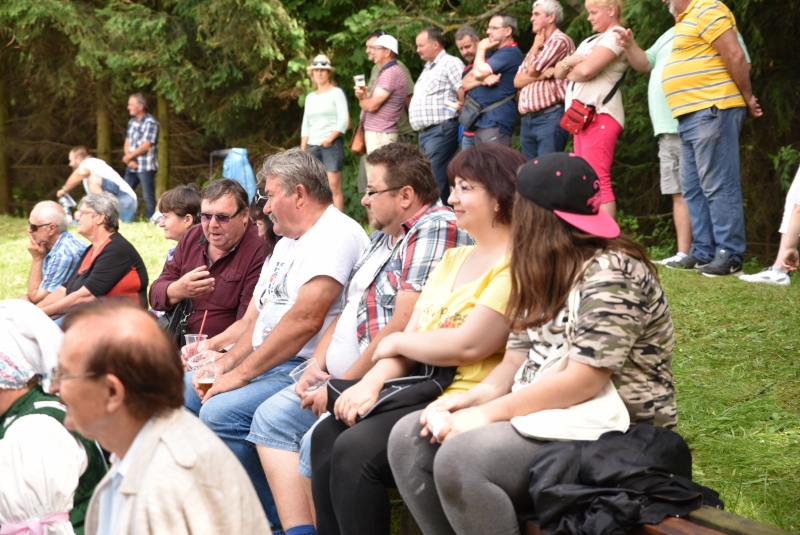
[
  {"x": 230, "y": 414},
  {"x": 467, "y": 141},
  {"x": 711, "y": 182},
  {"x": 148, "y": 181},
  {"x": 439, "y": 143},
  {"x": 542, "y": 134},
  {"x": 280, "y": 423}
]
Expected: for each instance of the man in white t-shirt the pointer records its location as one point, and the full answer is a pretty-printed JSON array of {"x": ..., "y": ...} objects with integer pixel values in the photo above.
[
  {"x": 414, "y": 230},
  {"x": 299, "y": 292},
  {"x": 97, "y": 176}
]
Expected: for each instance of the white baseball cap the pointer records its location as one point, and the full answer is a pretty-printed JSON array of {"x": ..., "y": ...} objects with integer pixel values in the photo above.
[{"x": 387, "y": 41}]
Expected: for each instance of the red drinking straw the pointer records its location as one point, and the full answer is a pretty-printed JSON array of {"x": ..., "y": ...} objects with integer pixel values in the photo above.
[{"x": 202, "y": 324}]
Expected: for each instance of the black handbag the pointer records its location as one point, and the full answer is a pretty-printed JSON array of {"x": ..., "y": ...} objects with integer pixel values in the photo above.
[
  {"x": 175, "y": 321},
  {"x": 471, "y": 111},
  {"x": 424, "y": 385}
]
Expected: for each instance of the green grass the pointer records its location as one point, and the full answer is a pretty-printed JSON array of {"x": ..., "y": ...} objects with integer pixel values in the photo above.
[{"x": 736, "y": 366}]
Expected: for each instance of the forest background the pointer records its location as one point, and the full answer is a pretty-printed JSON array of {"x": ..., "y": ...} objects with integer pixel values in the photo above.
[{"x": 232, "y": 73}]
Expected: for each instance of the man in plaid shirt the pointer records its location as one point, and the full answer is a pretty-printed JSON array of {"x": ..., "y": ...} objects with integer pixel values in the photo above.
[
  {"x": 56, "y": 252},
  {"x": 439, "y": 82},
  {"x": 414, "y": 230},
  {"x": 541, "y": 97},
  {"x": 141, "y": 151}
]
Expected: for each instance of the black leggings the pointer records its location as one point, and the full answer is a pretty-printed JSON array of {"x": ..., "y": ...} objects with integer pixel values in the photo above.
[{"x": 350, "y": 474}]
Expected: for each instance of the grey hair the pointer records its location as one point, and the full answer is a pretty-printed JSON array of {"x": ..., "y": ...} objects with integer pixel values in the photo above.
[
  {"x": 509, "y": 22},
  {"x": 295, "y": 167},
  {"x": 550, "y": 7},
  {"x": 51, "y": 212},
  {"x": 106, "y": 204},
  {"x": 467, "y": 31},
  {"x": 140, "y": 99}
]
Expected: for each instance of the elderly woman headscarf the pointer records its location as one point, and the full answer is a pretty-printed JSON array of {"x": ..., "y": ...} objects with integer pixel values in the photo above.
[{"x": 45, "y": 469}]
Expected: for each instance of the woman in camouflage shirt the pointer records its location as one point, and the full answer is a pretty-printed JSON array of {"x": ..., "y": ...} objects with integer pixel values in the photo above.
[{"x": 478, "y": 479}]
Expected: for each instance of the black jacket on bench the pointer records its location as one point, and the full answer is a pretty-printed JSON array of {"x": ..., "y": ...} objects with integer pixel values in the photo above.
[{"x": 608, "y": 486}]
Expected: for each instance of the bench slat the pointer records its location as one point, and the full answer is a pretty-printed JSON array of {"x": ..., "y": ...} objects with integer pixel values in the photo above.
[{"x": 730, "y": 523}]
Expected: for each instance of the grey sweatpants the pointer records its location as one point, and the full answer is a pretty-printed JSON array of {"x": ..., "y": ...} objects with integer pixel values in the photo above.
[{"x": 473, "y": 484}]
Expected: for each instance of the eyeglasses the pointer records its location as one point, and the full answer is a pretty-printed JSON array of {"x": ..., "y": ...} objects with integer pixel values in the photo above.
[
  {"x": 79, "y": 213},
  {"x": 493, "y": 28},
  {"x": 323, "y": 64},
  {"x": 56, "y": 375},
  {"x": 260, "y": 199},
  {"x": 371, "y": 193},
  {"x": 458, "y": 189},
  {"x": 222, "y": 219},
  {"x": 34, "y": 228}
]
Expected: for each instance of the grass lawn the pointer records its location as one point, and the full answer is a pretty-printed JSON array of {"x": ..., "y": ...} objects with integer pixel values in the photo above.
[{"x": 736, "y": 365}]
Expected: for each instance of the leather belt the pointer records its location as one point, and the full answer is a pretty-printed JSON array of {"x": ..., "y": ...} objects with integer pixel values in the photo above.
[{"x": 554, "y": 107}]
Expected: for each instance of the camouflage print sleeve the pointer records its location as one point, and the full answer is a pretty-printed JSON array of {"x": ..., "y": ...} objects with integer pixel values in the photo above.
[{"x": 519, "y": 341}]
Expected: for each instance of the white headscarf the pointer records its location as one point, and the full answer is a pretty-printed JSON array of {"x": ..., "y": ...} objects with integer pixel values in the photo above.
[{"x": 29, "y": 343}]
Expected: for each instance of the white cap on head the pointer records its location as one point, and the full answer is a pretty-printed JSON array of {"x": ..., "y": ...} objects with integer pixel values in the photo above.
[{"x": 386, "y": 41}]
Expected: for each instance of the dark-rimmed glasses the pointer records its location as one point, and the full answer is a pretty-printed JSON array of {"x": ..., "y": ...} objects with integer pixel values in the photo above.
[
  {"x": 260, "y": 199},
  {"x": 34, "y": 228},
  {"x": 222, "y": 219},
  {"x": 375, "y": 192}
]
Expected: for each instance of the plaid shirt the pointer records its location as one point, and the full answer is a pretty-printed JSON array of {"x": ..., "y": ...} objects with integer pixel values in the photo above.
[
  {"x": 61, "y": 261},
  {"x": 139, "y": 132},
  {"x": 426, "y": 236},
  {"x": 545, "y": 93},
  {"x": 439, "y": 81}
]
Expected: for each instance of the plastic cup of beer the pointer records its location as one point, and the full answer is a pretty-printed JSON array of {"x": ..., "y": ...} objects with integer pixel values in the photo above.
[
  {"x": 314, "y": 374},
  {"x": 193, "y": 341},
  {"x": 204, "y": 368},
  {"x": 360, "y": 80}
]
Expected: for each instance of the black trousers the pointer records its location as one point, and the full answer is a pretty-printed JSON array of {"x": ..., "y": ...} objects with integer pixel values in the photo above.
[{"x": 350, "y": 474}]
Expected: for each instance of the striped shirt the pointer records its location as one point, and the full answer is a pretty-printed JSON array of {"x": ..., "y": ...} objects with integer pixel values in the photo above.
[
  {"x": 426, "y": 236},
  {"x": 61, "y": 261},
  {"x": 391, "y": 78},
  {"x": 139, "y": 132},
  {"x": 545, "y": 93},
  {"x": 695, "y": 77},
  {"x": 439, "y": 81}
]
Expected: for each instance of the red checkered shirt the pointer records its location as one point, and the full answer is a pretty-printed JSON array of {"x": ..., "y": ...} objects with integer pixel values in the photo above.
[{"x": 543, "y": 94}]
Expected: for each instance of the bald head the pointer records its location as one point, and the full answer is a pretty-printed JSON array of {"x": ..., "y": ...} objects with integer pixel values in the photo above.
[
  {"x": 49, "y": 212},
  {"x": 123, "y": 340}
]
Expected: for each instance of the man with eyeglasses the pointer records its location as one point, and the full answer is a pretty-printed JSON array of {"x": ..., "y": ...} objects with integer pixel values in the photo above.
[
  {"x": 414, "y": 231},
  {"x": 491, "y": 81},
  {"x": 56, "y": 252},
  {"x": 216, "y": 264}
]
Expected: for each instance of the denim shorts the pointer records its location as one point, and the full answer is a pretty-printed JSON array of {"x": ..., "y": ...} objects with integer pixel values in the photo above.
[{"x": 331, "y": 157}]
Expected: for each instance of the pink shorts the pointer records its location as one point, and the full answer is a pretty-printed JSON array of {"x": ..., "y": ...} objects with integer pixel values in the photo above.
[{"x": 596, "y": 145}]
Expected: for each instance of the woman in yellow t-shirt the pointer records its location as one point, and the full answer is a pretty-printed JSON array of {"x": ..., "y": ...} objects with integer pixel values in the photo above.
[{"x": 459, "y": 320}]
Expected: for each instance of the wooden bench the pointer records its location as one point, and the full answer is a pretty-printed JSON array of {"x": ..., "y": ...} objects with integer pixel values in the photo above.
[{"x": 703, "y": 521}]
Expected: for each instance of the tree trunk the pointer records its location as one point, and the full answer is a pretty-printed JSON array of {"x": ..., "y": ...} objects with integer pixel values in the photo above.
[
  {"x": 162, "y": 177},
  {"x": 103, "y": 122},
  {"x": 5, "y": 175}
]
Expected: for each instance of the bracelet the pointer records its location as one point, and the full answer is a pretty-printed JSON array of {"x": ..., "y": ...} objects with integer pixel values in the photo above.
[{"x": 564, "y": 64}]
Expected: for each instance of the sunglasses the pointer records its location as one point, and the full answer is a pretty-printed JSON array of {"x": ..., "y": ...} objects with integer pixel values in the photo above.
[
  {"x": 34, "y": 228},
  {"x": 222, "y": 219},
  {"x": 320, "y": 64}
]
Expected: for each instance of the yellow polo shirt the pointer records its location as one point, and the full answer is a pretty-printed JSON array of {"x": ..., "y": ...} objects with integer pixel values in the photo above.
[{"x": 695, "y": 77}]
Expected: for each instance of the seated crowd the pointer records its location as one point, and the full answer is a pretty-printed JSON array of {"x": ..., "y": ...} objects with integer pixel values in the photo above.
[{"x": 430, "y": 334}]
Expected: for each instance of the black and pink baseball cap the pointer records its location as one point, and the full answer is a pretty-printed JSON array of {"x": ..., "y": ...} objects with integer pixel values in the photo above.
[{"x": 568, "y": 186}]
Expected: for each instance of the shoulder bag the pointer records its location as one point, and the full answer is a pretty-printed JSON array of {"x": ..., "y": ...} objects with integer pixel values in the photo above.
[
  {"x": 424, "y": 385},
  {"x": 579, "y": 116},
  {"x": 358, "y": 145},
  {"x": 175, "y": 321},
  {"x": 584, "y": 421},
  {"x": 471, "y": 111}
]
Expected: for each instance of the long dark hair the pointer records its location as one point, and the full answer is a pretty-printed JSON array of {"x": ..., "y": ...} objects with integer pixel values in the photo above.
[{"x": 547, "y": 258}]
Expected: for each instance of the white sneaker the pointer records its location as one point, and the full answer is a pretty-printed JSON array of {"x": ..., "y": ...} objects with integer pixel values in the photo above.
[
  {"x": 675, "y": 258},
  {"x": 768, "y": 276}
]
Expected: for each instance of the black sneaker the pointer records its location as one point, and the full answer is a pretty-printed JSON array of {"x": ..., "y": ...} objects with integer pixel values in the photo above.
[
  {"x": 723, "y": 264},
  {"x": 687, "y": 262}
]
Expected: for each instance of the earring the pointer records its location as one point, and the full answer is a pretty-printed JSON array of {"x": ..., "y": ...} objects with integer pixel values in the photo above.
[{"x": 497, "y": 207}]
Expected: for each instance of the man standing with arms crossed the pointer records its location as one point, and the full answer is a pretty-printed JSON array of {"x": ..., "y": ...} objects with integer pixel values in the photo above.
[
  {"x": 541, "y": 96},
  {"x": 439, "y": 82},
  {"x": 141, "y": 151}
]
